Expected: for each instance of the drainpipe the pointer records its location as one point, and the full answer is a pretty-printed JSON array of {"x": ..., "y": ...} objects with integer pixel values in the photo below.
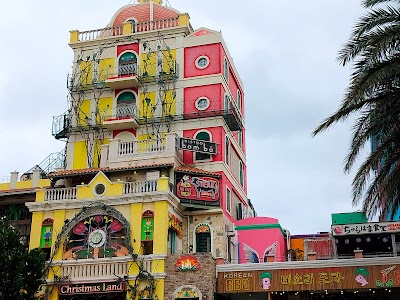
[{"x": 287, "y": 241}]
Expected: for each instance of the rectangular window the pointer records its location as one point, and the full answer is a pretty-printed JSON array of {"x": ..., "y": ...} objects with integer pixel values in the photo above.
[
  {"x": 203, "y": 242},
  {"x": 228, "y": 200},
  {"x": 171, "y": 241},
  {"x": 241, "y": 177},
  {"x": 227, "y": 148},
  {"x": 226, "y": 69},
  {"x": 240, "y": 138}
]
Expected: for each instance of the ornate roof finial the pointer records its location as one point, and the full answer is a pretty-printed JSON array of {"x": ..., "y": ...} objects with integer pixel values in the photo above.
[{"x": 155, "y": 1}]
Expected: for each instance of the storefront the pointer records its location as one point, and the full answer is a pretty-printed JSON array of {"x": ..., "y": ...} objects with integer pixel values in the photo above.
[{"x": 279, "y": 282}]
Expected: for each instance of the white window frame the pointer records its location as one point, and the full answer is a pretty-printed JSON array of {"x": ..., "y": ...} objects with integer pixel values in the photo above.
[
  {"x": 194, "y": 153},
  {"x": 227, "y": 150},
  {"x": 228, "y": 200},
  {"x": 226, "y": 70},
  {"x": 199, "y": 58},
  {"x": 196, "y": 104}
]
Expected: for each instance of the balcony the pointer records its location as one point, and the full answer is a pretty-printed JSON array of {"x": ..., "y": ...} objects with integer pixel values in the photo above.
[
  {"x": 159, "y": 72},
  {"x": 100, "y": 269},
  {"x": 124, "y": 77},
  {"x": 123, "y": 116},
  {"x": 129, "y": 29},
  {"x": 60, "y": 194},
  {"x": 136, "y": 153},
  {"x": 60, "y": 126}
]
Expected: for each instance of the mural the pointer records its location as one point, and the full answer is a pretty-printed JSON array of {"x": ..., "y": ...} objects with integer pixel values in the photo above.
[
  {"x": 147, "y": 225},
  {"x": 361, "y": 273},
  {"x": 186, "y": 292},
  {"x": 96, "y": 237},
  {"x": 47, "y": 232},
  {"x": 187, "y": 263},
  {"x": 252, "y": 255},
  {"x": 266, "y": 278}
]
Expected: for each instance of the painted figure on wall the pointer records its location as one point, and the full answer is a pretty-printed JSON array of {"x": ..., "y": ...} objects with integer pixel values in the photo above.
[
  {"x": 266, "y": 278},
  {"x": 46, "y": 234},
  {"x": 361, "y": 273},
  {"x": 147, "y": 225}
]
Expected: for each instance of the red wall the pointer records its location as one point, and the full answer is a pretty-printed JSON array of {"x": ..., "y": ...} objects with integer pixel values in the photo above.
[
  {"x": 132, "y": 47},
  {"x": 212, "y": 92},
  {"x": 211, "y": 51},
  {"x": 217, "y": 135}
]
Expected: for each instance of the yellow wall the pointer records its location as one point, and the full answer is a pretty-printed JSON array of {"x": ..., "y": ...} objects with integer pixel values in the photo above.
[
  {"x": 147, "y": 109},
  {"x": 112, "y": 189},
  {"x": 169, "y": 107},
  {"x": 36, "y": 229},
  {"x": 106, "y": 68},
  {"x": 84, "y": 112},
  {"x": 79, "y": 155},
  {"x": 105, "y": 108},
  {"x": 86, "y": 68},
  {"x": 25, "y": 184},
  {"x": 160, "y": 227}
]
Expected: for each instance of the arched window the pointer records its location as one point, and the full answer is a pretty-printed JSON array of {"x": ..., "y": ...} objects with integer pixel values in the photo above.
[
  {"x": 127, "y": 64},
  {"x": 126, "y": 105},
  {"x": 147, "y": 232},
  {"x": 203, "y": 238},
  {"x": 133, "y": 22},
  {"x": 204, "y": 136}
]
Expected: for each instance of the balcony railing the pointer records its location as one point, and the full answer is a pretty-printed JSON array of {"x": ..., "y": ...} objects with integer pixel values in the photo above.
[
  {"x": 60, "y": 194},
  {"x": 140, "y": 187},
  {"x": 100, "y": 268},
  {"x": 100, "y": 33},
  {"x": 136, "y": 27},
  {"x": 146, "y": 146}
]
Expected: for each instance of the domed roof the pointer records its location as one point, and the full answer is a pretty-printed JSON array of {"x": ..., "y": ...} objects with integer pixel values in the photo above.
[{"x": 141, "y": 13}]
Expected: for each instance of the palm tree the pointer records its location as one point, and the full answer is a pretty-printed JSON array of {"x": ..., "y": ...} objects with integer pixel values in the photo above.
[{"x": 373, "y": 97}]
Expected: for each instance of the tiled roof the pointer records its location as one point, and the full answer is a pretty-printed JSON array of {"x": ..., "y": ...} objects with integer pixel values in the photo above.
[
  {"x": 18, "y": 191},
  {"x": 194, "y": 170},
  {"x": 141, "y": 13},
  {"x": 96, "y": 170}
]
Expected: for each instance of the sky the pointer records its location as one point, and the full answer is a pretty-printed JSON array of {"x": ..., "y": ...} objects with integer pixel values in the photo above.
[{"x": 285, "y": 52}]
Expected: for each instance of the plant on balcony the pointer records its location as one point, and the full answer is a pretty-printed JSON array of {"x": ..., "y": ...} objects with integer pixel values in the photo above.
[{"x": 22, "y": 271}]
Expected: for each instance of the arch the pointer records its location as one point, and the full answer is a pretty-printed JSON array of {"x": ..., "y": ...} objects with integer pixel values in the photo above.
[
  {"x": 202, "y": 238},
  {"x": 188, "y": 292},
  {"x": 127, "y": 63},
  {"x": 125, "y": 136},
  {"x": 203, "y": 135},
  {"x": 92, "y": 210},
  {"x": 126, "y": 104},
  {"x": 133, "y": 21}
]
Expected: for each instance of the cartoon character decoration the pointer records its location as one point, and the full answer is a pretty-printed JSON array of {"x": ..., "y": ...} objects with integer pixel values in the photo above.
[
  {"x": 96, "y": 237},
  {"x": 198, "y": 188},
  {"x": 266, "y": 278},
  {"x": 385, "y": 281},
  {"x": 185, "y": 187},
  {"x": 47, "y": 231},
  {"x": 252, "y": 255},
  {"x": 361, "y": 273},
  {"x": 147, "y": 225}
]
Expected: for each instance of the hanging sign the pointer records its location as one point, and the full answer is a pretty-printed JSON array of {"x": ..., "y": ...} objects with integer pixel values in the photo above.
[
  {"x": 366, "y": 228},
  {"x": 198, "y": 188},
  {"x": 197, "y": 146}
]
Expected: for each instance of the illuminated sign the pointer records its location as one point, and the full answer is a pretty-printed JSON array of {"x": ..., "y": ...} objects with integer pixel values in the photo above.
[
  {"x": 197, "y": 188},
  {"x": 366, "y": 228},
  {"x": 90, "y": 288}
]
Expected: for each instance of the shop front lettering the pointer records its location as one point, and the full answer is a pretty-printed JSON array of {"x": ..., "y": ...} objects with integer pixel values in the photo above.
[
  {"x": 365, "y": 228},
  {"x": 73, "y": 289},
  {"x": 238, "y": 275},
  {"x": 237, "y": 284},
  {"x": 310, "y": 278}
]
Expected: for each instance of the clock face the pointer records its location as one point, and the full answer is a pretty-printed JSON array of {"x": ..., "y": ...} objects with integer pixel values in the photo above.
[{"x": 97, "y": 238}]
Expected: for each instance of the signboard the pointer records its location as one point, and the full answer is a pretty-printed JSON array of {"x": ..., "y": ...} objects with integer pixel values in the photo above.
[
  {"x": 366, "y": 228},
  {"x": 197, "y": 187},
  {"x": 197, "y": 146},
  {"x": 91, "y": 288},
  {"x": 310, "y": 279}
]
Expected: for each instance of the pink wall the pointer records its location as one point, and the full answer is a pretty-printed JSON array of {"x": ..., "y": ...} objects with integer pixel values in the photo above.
[
  {"x": 192, "y": 53},
  {"x": 258, "y": 240}
]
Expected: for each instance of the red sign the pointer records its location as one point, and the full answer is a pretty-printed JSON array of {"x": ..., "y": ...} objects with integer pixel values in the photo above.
[
  {"x": 198, "y": 188},
  {"x": 187, "y": 263}
]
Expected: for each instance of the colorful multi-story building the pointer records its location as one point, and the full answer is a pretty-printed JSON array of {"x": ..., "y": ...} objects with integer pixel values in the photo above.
[{"x": 154, "y": 172}]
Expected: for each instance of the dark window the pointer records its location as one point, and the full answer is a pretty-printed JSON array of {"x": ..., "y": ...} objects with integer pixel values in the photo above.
[
  {"x": 127, "y": 64},
  {"x": 203, "y": 242},
  {"x": 204, "y": 136}
]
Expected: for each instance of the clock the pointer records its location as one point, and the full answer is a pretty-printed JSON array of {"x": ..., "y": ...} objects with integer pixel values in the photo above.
[{"x": 97, "y": 238}]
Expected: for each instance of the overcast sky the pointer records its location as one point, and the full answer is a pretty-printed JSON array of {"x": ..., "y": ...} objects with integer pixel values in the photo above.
[{"x": 285, "y": 52}]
